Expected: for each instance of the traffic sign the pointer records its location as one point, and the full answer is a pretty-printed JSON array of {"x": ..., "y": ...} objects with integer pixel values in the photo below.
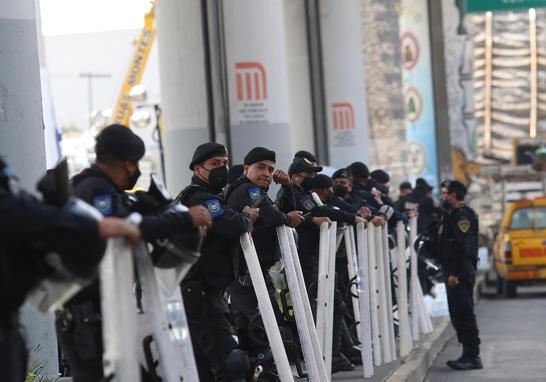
[{"x": 502, "y": 5}]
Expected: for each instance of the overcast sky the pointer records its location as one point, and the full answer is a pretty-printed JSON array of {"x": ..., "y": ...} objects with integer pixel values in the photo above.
[{"x": 81, "y": 16}]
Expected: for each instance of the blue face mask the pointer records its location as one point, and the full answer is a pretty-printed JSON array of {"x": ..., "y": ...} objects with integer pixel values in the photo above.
[{"x": 446, "y": 205}]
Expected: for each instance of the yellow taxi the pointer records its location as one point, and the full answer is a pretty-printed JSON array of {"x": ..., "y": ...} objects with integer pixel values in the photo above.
[{"x": 520, "y": 248}]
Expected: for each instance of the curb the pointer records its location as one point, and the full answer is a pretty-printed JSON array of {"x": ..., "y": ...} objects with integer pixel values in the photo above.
[{"x": 414, "y": 367}]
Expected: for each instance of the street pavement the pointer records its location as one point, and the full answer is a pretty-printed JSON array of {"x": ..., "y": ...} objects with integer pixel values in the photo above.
[{"x": 513, "y": 335}]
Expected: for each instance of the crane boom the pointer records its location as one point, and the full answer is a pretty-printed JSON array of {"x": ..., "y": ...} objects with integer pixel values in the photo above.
[{"x": 133, "y": 76}]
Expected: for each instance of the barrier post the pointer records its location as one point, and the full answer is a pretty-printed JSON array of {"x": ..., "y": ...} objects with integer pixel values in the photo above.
[
  {"x": 352, "y": 269},
  {"x": 388, "y": 291},
  {"x": 381, "y": 285},
  {"x": 374, "y": 296},
  {"x": 402, "y": 296},
  {"x": 364, "y": 301},
  {"x": 266, "y": 310},
  {"x": 414, "y": 281}
]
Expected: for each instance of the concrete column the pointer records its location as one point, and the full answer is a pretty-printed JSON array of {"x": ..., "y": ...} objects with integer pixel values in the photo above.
[
  {"x": 183, "y": 86},
  {"x": 257, "y": 77},
  {"x": 299, "y": 76},
  {"x": 22, "y": 139},
  {"x": 381, "y": 46},
  {"x": 344, "y": 82}
]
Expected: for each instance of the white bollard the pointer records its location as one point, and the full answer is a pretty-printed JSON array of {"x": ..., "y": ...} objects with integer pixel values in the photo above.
[
  {"x": 297, "y": 302},
  {"x": 364, "y": 301},
  {"x": 266, "y": 310},
  {"x": 381, "y": 285},
  {"x": 374, "y": 296},
  {"x": 119, "y": 315},
  {"x": 324, "y": 253},
  {"x": 414, "y": 281},
  {"x": 402, "y": 295},
  {"x": 308, "y": 311},
  {"x": 388, "y": 291},
  {"x": 352, "y": 269}
]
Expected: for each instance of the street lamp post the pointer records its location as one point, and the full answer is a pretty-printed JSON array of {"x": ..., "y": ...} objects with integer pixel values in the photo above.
[{"x": 90, "y": 77}]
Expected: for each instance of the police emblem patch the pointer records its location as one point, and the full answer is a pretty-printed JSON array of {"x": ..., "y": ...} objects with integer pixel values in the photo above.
[
  {"x": 214, "y": 207},
  {"x": 254, "y": 194},
  {"x": 464, "y": 225},
  {"x": 103, "y": 203},
  {"x": 308, "y": 204}
]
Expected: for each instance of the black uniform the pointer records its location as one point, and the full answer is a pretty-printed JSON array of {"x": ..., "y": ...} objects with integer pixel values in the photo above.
[
  {"x": 458, "y": 247},
  {"x": 80, "y": 324},
  {"x": 28, "y": 230},
  {"x": 217, "y": 268}
]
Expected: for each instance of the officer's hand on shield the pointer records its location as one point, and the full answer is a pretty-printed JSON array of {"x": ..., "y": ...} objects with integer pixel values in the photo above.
[
  {"x": 320, "y": 220},
  {"x": 115, "y": 227},
  {"x": 359, "y": 220},
  {"x": 200, "y": 216},
  {"x": 364, "y": 212},
  {"x": 452, "y": 281},
  {"x": 281, "y": 177},
  {"x": 379, "y": 221},
  {"x": 296, "y": 218},
  {"x": 253, "y": 212}
]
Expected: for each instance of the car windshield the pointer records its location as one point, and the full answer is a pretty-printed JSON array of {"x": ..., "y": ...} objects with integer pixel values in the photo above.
[{"x": 529, "y": 218}]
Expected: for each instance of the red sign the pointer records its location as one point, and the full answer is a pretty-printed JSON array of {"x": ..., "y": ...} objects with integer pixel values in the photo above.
[
  {"x": 251, "y": 81},
  {"x": 343, "y": 116}
]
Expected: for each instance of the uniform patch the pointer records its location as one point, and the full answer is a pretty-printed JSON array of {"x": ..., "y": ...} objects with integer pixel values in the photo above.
[
  {"x": 215, "y": 208},
  {"x": 103, "y": 203},
  {"x": 464, "y": 225},
  {"x": 254, "y": 194},
  {"x": 308, "y": 204}
]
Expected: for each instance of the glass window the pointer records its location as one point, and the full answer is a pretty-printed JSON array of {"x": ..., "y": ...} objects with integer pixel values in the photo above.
[
  {"x": 522, "y": 218},
  {"x": 540, "y": 214}
]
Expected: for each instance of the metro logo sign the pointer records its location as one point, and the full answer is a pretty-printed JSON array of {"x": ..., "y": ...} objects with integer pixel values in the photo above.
[
  {"x": 343, "y": 116},
  {"x": 251, "y": 80}
]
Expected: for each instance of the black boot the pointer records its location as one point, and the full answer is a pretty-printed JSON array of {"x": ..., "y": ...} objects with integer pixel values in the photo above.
[{"x": 466, "y": 363}]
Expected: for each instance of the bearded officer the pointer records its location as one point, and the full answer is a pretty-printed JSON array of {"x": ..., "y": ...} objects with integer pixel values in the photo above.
[
  {"x": 217, "y": 268},
  {"x": 458, "y": 247}
]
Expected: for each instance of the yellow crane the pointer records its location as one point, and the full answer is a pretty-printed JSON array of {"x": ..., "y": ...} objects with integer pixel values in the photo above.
[{"x": 123, "y": 110}]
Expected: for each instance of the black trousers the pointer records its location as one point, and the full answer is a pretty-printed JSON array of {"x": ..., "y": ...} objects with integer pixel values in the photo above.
[
  {"x": 210, "y": 329},
  {"x": 461, "y": 311},
  {"x": 13, "y": 351}
]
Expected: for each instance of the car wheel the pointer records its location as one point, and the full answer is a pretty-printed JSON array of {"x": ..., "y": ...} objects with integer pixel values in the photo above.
[{"x": 509, "y": 288}]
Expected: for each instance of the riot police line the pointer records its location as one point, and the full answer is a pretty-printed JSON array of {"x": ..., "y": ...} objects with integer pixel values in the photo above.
[
  {"x": 158, "y": 310},
  {"x": 161, "y": 312}
]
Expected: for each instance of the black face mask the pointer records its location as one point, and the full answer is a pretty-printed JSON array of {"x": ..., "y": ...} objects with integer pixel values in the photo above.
[
  {"x": 218, "y": 177},
  {"x": 307, "y": 183},
  {"x": 446, "y": 205},
  {"x": 133, "y": 178},
  {"x": 340, "y": 191}
]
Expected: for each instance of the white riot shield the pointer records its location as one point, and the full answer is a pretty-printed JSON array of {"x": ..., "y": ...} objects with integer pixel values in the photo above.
[
  {"x": 414, "y": 281},
  {"x": 364, "y": 301},
  {"x": 402, "y": 292},
  {"x": 381, "y": 285},
  {"x": 352, "y": 269},
  {"x": 374, "y": 295},
  {"x": 266, "y": 310},
  {"x": 119, "y": 316},
  {"x": 325, "y": 291},
  {"x": 167, "y": 322},
  {"x": 297, "y": 296},
  {"x": 388, "y": 291}
]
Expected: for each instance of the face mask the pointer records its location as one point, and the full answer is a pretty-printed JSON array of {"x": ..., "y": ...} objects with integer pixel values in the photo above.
[
  {"x": 133, "y": 178},
  {"x": 307, "y": 183},
  {"x": 446, "y": 205},
  {"x": 218, "y": 177},
  {"x": 340, "y": 191}
]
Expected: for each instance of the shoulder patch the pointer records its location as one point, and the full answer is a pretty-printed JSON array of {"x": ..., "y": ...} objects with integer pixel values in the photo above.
[
  {"x": 464, "y": 225},
  {"x": 103, "y": 203},
  {"x": 254, "y": 194},
  {"x": 214, "y": 207},
  {"x": 308, "y": 204}
]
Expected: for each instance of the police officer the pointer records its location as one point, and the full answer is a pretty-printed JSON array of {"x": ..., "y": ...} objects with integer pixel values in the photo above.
[
  {"x": 118, "y": 151},
  {"x": 30, "y": 229},
  {"x": 251, "y": 189},
  {"x": 217, "y": 268},
  {"x": 459, "y": 251}
]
